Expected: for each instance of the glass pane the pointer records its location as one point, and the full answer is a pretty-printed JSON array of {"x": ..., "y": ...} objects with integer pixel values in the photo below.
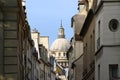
[{"x": 113, "y": 72}]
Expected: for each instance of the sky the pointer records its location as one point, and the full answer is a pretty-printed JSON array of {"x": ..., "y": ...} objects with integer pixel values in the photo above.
[{"x": 46, "y": 16}]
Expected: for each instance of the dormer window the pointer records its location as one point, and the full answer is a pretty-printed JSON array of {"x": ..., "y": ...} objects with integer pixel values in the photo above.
[{"x": 113, "y": 25}]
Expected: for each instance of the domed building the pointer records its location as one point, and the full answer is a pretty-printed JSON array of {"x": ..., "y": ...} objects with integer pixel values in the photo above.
[{"x": 59, "y": 48}]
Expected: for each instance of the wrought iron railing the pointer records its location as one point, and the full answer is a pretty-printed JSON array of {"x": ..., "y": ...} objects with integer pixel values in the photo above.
[{"x": 98, "y": 43}]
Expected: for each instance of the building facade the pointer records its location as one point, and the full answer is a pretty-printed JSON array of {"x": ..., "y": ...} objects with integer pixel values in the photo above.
[
  {"x": 13, "y": 31},
  {"x": 99, "y": 34},
  {"x": 88, "y": 36},
  {"x": 75, "y": 52},
  {"x": 107, "y": 40},
  {"x": 43, "y": 66},
  {"x": 20, "y": 56}
]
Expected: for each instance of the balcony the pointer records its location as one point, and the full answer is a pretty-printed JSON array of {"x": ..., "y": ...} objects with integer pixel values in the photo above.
[{"x": 98, "y": 43}]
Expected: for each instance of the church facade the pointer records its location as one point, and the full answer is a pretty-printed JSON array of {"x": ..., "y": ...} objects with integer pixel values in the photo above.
[{"x": 59, "y": 49}]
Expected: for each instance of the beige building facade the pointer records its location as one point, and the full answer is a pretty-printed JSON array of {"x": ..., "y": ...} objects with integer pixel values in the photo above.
[
  {"x": 75, "y": 52},
  {"x": 88, "y": 36},
  {"x": 43, "y": 66},
  {"x": 13, "y": 31}
]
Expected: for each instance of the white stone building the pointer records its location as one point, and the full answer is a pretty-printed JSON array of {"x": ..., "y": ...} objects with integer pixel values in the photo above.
[
  {"x": 43, "y": 67},
  {"x": 107, "y": 37}
]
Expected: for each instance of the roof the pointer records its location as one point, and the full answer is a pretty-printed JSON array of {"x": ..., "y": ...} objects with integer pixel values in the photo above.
[{"x": 60, "y": 44}]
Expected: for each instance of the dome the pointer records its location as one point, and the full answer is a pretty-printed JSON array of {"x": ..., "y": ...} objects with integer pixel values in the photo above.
[{"x": 60, "y": 44}]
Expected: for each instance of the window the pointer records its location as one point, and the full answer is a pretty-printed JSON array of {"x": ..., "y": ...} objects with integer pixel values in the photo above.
[
  {"x": 98, "y": 40},
  {"x": 99, "y": 29},
  {"x": 63, "y": 54},
  {"x": 113, "y": 25},
  {"x": 93, "y": 40},
  {"x": 62, "y": 63},
  {"x": 91, "y": 44},
  {"x": 98, "y": 72},
  {"x": 86, "y": 48},
  {"x": 58, "y": 54},
  {"x": 113, "y": 72}
]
